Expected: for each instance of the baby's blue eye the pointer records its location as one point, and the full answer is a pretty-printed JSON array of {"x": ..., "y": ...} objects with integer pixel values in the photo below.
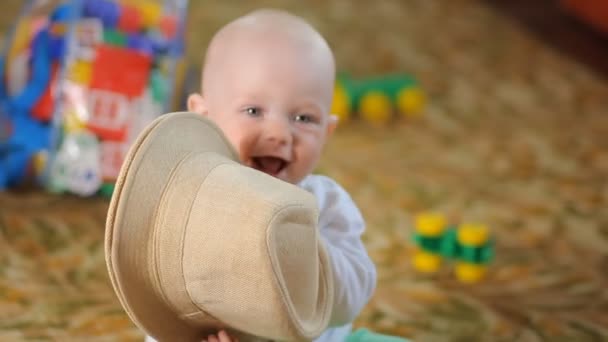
[
  {"x": 253, "y": 111},
  {"x": 304, "y": 118}
]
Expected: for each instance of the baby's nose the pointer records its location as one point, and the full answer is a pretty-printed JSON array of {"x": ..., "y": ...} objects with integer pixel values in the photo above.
[{"x": 278, "y": 131}]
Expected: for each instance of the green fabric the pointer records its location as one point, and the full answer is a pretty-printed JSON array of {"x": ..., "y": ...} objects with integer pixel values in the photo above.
[{"x": 364, "y": 335}]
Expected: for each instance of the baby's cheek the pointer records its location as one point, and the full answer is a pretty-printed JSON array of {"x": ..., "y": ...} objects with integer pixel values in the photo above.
[
  {"x": 313, "y": 158},
  {"x": 244, "y": 147}
]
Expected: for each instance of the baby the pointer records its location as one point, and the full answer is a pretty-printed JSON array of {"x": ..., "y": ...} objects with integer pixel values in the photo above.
[{"x": 267, "y": 82}]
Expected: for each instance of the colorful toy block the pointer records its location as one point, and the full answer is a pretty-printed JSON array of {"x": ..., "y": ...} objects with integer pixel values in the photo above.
[
  {"x": 469, "y": 245},
  {"x": 120, "y": 70},
  {"x": 377, "y": 100}
]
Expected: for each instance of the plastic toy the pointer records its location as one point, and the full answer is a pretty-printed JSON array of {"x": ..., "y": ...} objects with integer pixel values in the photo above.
[
  {"x": 78, "y": 84},
  {"x": 18, "y": 151},
  {"x": 474, "y": 252},
  {"x": 27, "y": 113},
  {"x": 77, "y": 165},
  {"x": 430, "y": 229},
  {"x": 469, "y": 245},
  {"x": 377, "y": 100}
]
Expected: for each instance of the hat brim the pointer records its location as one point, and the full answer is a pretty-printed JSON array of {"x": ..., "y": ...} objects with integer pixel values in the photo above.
[{"x": 129, "y": 233}]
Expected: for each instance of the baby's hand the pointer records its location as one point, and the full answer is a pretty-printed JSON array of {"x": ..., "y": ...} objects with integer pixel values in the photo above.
[{"x": 222, "y": 336}]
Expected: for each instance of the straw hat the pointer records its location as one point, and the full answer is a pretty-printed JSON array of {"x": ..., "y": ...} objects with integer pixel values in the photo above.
[{"x": 196, "y": 241}]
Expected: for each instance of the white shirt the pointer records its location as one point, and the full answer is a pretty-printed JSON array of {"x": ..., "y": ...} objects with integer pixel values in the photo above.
[{"x": 341, "y": 226}]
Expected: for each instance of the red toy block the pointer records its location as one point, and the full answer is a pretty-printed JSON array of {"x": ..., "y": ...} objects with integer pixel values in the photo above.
[
  {"x": 168, "y": 26},
  {"x": 108, "y": 114},
  {"x": 43, "y": 109},
  {"x": 120, "y": 70},
  {"x": 130, "y": 19}
]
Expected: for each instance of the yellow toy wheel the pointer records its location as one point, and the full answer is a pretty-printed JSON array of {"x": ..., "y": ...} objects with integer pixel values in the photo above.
[
  {"x": 430, "y": 224},
  {"x": 410, "y": 102},
  {"x": 340, "y": 105},
  {"x": 473, "y": 235},
  {"x": 375, "y": 107},
  {"x": 469, "y": 273},
  {"x": 426, "y": 262}
]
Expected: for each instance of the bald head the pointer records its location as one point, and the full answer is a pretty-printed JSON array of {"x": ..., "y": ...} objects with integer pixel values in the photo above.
[
  {"x": 266, "y": 21},
  {"x": 275, "y": 35}
]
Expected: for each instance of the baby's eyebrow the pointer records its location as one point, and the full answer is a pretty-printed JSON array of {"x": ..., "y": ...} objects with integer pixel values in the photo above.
[
  {"x": 244, "y": 95},
  {"x": 310, "y": 104},
  {"x": 244, "y": 98}
]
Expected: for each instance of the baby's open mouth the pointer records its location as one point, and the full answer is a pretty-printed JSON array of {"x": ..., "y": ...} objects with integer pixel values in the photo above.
[{"x": 270, "y": 165}]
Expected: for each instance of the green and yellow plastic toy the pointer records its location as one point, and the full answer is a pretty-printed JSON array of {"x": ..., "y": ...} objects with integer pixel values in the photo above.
[
  {"x": 378, "y": 99},
  {"x": 469, "y": 245}
]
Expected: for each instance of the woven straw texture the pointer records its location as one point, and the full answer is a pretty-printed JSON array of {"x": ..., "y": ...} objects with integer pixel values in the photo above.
[{"x": 514, "y": 135}]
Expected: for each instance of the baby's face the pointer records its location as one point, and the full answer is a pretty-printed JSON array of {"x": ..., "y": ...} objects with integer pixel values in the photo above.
[{"x": 274, "y": 109}]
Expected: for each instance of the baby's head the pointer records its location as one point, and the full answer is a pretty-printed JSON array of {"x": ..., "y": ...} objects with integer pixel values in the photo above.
[{"x": 268, "y": 80}]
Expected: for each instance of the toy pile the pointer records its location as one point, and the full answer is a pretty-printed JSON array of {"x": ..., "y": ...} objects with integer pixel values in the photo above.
[{"x": 80, "y": 79}]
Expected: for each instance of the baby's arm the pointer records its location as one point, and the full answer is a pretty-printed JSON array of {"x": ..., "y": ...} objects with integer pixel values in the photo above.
[{"x": 341, "y": 226}]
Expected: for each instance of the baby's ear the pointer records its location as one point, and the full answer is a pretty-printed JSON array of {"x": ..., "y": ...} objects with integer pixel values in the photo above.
[
  {"x": 196, "y": 104},
  {"x": 331, "y": 124}
]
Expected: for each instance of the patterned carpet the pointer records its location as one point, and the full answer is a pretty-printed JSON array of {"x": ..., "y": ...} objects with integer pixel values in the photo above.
[{"x": 514, "y": 136}]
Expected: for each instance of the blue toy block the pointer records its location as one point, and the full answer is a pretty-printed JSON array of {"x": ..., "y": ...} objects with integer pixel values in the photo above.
[{"x": 18, "y": 150}]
